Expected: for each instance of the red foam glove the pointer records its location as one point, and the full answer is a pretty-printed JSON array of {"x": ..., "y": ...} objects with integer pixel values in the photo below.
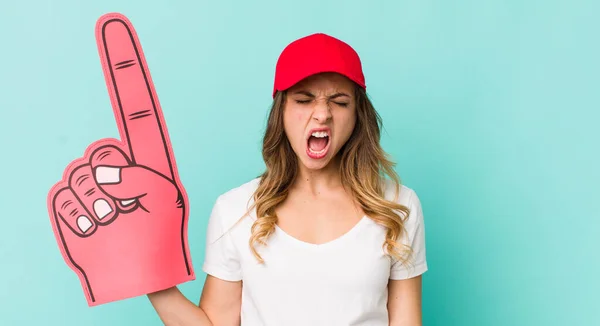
[{"x": 120, "y": 213}]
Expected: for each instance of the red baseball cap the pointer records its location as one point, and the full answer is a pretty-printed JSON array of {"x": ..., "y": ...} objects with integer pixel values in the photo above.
[{"x": 314, "y": 54}]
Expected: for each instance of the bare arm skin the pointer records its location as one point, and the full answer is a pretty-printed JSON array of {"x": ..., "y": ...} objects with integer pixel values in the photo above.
[
  {"x": 220, "y": 305},
  {"x": 222, "y": 301},
  {"x": 404, "y": 302}
]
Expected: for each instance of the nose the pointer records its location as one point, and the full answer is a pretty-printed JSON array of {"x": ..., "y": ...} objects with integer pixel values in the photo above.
[{"x": 322, "y": 112}]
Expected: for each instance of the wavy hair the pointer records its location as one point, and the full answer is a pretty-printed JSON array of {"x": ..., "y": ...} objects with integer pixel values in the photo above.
[{"x": 364, "y": 165}]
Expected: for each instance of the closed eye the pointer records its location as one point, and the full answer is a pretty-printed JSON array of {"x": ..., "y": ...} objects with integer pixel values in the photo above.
[
  {"x": 302, "y": 101},
  {"x": 343, "y": 104}
]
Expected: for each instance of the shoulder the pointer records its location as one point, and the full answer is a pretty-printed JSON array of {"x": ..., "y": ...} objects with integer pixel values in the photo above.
[
  {"x": 401, "y": 194},
  {"x": 234, "y": 203},
  {"x": 240, "y": 193},
  {"x": 406, "y": 196}
]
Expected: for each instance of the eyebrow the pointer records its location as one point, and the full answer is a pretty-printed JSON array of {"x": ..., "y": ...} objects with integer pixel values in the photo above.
[
  {"x": 309, "y": 94},
  {"x": 339, "y": 94}
]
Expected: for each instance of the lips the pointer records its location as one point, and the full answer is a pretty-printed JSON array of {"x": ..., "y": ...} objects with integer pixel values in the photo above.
[{"x": 317, "y": 142}]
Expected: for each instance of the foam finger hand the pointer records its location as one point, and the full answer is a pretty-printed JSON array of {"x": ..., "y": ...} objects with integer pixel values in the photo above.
[
  {"x": 72, "y": 213},
  {"x": 96, "y": 202},
  {"x": 130, "y": 184}
]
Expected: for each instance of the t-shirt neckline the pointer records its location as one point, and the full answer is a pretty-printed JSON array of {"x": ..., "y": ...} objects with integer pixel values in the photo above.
[{"x": 357, "y": 226}]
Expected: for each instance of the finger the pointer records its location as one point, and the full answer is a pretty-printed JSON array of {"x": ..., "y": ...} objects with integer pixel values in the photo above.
[
  {"x": 135, "y": 104},
  {"x": 72, "y": 213},
  {"x": 111, "y": 156},
  {"x": 83, "y": 185},
  {"x": 137, "y": 182}
]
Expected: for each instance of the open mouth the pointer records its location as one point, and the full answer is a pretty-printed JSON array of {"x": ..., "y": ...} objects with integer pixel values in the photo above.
[{"x": 318, "y": 144}]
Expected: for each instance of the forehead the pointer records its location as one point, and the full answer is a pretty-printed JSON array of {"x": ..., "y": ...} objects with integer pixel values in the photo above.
[{"x": 324, "y": 83}]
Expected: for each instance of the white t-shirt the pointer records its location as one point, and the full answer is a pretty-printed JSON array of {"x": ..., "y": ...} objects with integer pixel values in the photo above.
[{"x": 342, "y": 282}]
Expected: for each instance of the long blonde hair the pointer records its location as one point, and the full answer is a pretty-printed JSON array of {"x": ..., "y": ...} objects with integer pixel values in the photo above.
[{"x": 364, "y": 165}]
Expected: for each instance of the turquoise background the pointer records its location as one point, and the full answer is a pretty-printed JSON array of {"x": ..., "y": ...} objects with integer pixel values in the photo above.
[{"x": 491, "y": 110}]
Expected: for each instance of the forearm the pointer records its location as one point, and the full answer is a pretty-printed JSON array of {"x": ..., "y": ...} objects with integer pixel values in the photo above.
[{"x": 174, "y": 309}]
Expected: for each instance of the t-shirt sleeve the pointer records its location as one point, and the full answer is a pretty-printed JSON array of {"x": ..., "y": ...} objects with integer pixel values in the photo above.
[
  {"x": 221, "y": 257},
  {"x": 414, "y": 237}
]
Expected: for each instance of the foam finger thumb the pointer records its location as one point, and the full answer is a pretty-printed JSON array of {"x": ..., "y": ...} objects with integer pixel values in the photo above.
[{"x": 135, "y": 182}]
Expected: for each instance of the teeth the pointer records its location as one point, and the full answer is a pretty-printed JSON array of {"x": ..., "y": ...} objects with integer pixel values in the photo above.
[
  {"x": 320, "y": 134},
  {"x": 319, "y": 152}
]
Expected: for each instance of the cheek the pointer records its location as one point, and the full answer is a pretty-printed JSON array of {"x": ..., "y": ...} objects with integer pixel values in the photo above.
[
  {"x": 298, "y": 114},
  {"x": 294, "y": 115},
  {"x": 346, "y": 126},
  {"x": 294, "y": 121}
]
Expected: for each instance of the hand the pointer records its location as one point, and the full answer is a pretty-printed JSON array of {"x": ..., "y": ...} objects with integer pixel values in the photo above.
[{"x": 120, "y": 212}]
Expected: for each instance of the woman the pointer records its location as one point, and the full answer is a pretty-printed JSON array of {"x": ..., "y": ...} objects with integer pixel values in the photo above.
[{"x": 322, "y": 237}]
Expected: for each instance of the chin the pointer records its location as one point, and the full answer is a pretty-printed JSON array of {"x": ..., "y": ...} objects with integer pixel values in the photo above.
[{"x": 314, "y": 166}]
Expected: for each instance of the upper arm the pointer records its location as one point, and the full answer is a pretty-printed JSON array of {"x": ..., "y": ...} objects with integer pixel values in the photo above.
[
  {"x": 414, "y": 237},
  {"x": 221, "y": 301},
  {"x": 222, "y": 292},
  {"x": 405, "y": 284},
  {"x": 404, "y": 302}
]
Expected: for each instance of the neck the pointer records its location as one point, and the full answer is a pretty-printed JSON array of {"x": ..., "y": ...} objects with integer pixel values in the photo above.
[{"x": 316, "y": 181}]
